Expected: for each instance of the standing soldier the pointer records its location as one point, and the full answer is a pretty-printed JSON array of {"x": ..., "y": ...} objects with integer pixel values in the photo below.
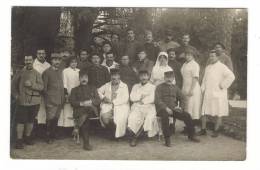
[
  {"x": 53, "y": 94},
  {"x": 168, "y": 42},
  {"x": 150, "y": 47},
  {"x": 26, "y": 88}
]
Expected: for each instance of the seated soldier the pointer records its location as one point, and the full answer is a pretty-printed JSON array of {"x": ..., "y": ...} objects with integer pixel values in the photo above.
[
  {"x": 84, "y": 100},
  {"x": 143, "y": 113},
  {"x": 114, "y": 104},
  {"x": 167, "y": 95}
]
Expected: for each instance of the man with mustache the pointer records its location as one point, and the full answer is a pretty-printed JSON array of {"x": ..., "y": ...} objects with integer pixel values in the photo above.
[
  {"x": 26, "y": 87},
  {"x": 53, "y": 95}
]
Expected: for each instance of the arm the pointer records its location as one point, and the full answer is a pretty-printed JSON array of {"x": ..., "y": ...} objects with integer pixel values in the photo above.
[
  {"x": 101, "y": 92},
  {"x": 122, "y": 97},
  {"x": 180, "y": 97},
  {"x": 229, "y": 63},
  {"x": 15, "y": 85},
  {"x": 38, "y": 84},
  {"x": 45, "y": 82},
  {"x": 158, "y": 99},
  {"x": 95, "y": 100},
  {"x": 107, "y": 75},
  {"x": 73, "y": 98},
  {"x": 150, "y": 98},
  {"x": 195, "y": 78},
  {"x": 229, "y": 77},
  {"x": 135, "y": 95}
]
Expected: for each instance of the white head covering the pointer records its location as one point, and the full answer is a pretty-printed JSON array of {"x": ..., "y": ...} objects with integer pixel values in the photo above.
[{"x": 157, "y": 76}]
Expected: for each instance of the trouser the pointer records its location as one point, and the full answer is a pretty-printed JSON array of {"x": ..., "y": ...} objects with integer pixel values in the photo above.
[
  {"x": 53, "y": 113},
  {"x": 84, "y": 130},
  {"x": 183, "y": 116}
]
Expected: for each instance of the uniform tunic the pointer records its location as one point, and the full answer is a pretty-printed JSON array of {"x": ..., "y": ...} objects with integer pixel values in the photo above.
[
  {"x": 83, "y": 65},
  {"x": 176, "y": 66},
  {"x": 152, "y": 51},
  {"x": 189, "y": 71},
  {"x": 217, "y": 79},
  {"x": 130, "y": 49},
  {"x": 98, "y": 75},
  {"x": 143, "y": 114},
  {"x": 128, "y": 76},
  {"x": 53, "y": 91},
  {"x": 120, "y": 107},
  {"x": 41, "y": 67},
  {"x": 70, "y": 80}
]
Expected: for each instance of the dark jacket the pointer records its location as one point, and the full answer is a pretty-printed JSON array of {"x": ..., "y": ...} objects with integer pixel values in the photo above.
[
  {"x": 144, "y": 65},
  {"x": 168, "y": 95},
  {"x": 98, "y": 75},
  {"x": 130, "y": 49},
  {"x": 152, "y": 51},
  {"x": 79, "y": 94},
  {"x": 176, "y": 66},
  {"x": 53, "y": 86},
  {"x": 128, "y": 76},
  {"x": 84, "y": 65}
]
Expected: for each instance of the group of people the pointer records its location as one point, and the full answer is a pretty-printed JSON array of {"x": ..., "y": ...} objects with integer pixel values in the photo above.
[{"x": 131, "y": 87}]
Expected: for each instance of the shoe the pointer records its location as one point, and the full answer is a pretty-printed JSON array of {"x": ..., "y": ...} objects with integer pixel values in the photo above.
[
  {"x": 168, "y": 142},
  {"x": 215, "y": 134},
  {"x": 87, "y": 147},
  {"x": 49, "y": 140},
  {"x": 133, "y": 142},
  {"x": 19, "y": 144},
  {"x": 194, "y": 139},
  {"x": 202, "y": 132},
  {"x": 28, "y": 140}
]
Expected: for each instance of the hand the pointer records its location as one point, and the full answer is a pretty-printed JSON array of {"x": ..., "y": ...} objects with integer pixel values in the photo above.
[
  {"x": 27, "y": 83},
  {"x": 178, "y": 109},
  {"x": 106, "y": 100},
  {"x": 169, "y": 111}
]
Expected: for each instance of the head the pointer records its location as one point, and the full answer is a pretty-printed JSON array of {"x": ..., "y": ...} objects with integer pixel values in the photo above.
[
  {"x": 144, "y": 76},
  {"x": 98, "y": 40},
  {"x": 186, "y": 39},
  {"x": 171, "y": 54},
  {"x": 141, "y": 54},
  {"x": 115, "y": 38},
  {"x": 169, "y": 76},
  {"x": 115, "y": 76},
  {"x": 73, "y": 62},
  {"x": 148, "y": 36},
  {"x": 125, "y": 60},
  {"x": 168, "y": 35},
  {"x": 110, "y": 57},
  {"x": 65, "y": 55},
  {"x": 28, "y": 61},
  {"x": 95, "y": 59},
  {"x": 130, "y": 35},
  {"x": 189, "y": 56},
  {"x": 41, "y": 55},
  {"x": 55, "y": 60},
  {"x": 106, "y": 47},
  {"x": 162, "y": 59},
  {"x": 83, "y": 77},
  {"x": 83, "y": 55},
  {"x": 213, "y": 57},
  {"x": 220, "y": 48}
]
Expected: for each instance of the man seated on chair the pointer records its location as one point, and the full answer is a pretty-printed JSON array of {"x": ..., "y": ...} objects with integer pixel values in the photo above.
[
  {"x": 143, "y": 114},
  {"x": 167, "y": 95},
  {"x": 114, "y": 108},
  {"x": 84, "y": 100}
]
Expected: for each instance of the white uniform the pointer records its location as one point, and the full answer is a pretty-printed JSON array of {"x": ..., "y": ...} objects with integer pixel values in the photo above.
[
  {"x": 120, "y": 107},
  {"x": 189, "y": 71},
  {"x": 215, "y": 101},
  {"x": 70, "y": 80},
  {"x": 41, "y": 67},
  {"x": 143, "y": 114}
]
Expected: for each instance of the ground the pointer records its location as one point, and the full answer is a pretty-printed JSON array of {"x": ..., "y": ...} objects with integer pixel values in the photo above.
[{"x": 221, "y": 148}]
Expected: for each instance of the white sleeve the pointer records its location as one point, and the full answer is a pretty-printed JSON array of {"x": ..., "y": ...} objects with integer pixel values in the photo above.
[
  {"x": 122, "y": 97},
  {"x": 101, "y": 91},
  {"x": 228, "y": 79},
  {"x": 135, "y": 95}
]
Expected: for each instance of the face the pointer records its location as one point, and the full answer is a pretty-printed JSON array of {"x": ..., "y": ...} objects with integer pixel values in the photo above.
[
  {"x": 115, "y": 79},
  {"x": 172, "y": 55},
  {"x": 28, "y": 61},
  {"x": 169, "y": 37},
  {"x": 125, "y": 60},
  {"x": 83, "y": 79},
  {"x": 186, "y": 39},
  {"x": 213, "y": 58},
  {"x": 56, "y": 62},
  {"x": 110, "y": 57},
  {"x": 149, "y": 37},
  {"x": 73, "y": 64},
  {"x": 115, "y": 38},
  {"x": 218, "y": 49},
  {"x": 144, "y": 78},
  {"x": 106, "y": 48},
  {"x": 188, "y": 57},
  {"x": 98, "y": 40},
  {"x": 130, "y": 35},
  {"x": 65, "y": 55},
  {"x": 95, "y": 59},
  {"x": 168, "y": 79},
  {"x": 141, "y": 55},
  {"x": 83, "y": 55},
  {"x": 163, "y": 60},
  {"x": 41, "y": 55}
]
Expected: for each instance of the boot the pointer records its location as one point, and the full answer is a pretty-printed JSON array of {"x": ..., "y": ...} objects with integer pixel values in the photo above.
[
  {"x": 49, "y": 136},
  {"x": 168, "y": 141},
  {"x": 215, "y": 134},
  {"x": 133, "y": 142},
  {"x": 28, "y": 140},
  {"x": 19, "y": 144},
  {"x": 202, "y": 132},
  {"x": 86, "y": 145}
]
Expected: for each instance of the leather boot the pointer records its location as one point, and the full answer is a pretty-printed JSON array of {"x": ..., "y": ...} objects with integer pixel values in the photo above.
[
  {"x": 19, "y": 144},
  {"x": 168, "y": 141}
]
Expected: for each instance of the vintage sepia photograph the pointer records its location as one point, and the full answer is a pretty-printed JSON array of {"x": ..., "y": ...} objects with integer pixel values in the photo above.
[{"x": 128, "y": 83}]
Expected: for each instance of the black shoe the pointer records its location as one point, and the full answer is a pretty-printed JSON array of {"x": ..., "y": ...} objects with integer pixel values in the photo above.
[
  {"x": 19, "y": 144},
  {"x": 168, "y": 142},
  {"x": 28, "y": 140},
  {"x": 133, "y": 142},
  {"x": 202, "y": 132},
  {"x": 215, "y": 134},
  {"x": 194, "y": 139},
  {"x": 87, "y": 147}
]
